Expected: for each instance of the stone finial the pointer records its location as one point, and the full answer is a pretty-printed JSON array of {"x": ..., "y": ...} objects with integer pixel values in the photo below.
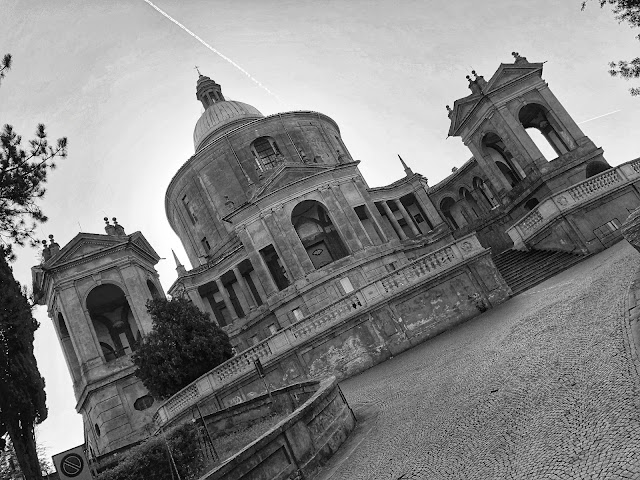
[
  {"x": 119, "y": 229},
  {"x": 454, "y": 169},
  {"x": 473, "y": 86},
  {"x": 407, "y": 171},
  {"x": 179, "y": 267},
  {"x": 518, "y": 58},
  {"x": 46, "y": 252},
  {"x": 110, "y": 229},
  {"x": 53, "y": 246},
  {"x": 449, "y": 111},
  {"x": 341, "y": 156},
  {"x": 480, "y": 81}
]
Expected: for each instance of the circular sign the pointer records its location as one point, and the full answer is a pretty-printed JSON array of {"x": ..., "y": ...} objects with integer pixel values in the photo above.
[{"x": 71, "y": 465}]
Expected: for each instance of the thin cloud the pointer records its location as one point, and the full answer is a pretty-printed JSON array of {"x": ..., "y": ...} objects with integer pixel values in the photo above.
[{"x": 217, "y": 52}]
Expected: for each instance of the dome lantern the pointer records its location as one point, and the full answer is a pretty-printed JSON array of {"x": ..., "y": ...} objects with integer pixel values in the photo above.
[{"x": 208, "y": 91}]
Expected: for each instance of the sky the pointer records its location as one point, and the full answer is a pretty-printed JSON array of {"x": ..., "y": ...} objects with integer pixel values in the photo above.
[{"x": 118, "y": 79}]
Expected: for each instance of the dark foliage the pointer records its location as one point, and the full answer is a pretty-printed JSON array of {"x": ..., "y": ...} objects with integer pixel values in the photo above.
[
  {"x": 22, "y": 396},
  {"x": 150, "y": 459},
  {"x": 183, "y": 345},
  {"x": 625, "y": 11},
  {"x": 23, "y": 174}
]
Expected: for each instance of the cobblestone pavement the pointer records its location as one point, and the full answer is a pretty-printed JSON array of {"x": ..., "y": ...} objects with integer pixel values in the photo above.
[{"x": 541, "y": 387}]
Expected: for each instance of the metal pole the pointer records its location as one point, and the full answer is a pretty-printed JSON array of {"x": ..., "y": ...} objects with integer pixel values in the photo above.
[
  {"x": 173, "y": 463},
  {"x": 206, "y": 429}
]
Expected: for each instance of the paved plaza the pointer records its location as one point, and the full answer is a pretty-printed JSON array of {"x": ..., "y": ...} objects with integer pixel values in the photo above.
[{"x": 541, "y": 387}]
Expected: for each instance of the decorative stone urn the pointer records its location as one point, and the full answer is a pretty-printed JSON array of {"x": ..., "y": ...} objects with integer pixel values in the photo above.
[{"x": 631, "y": 229}]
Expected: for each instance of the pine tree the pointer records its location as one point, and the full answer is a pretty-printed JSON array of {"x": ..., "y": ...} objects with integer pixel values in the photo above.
[
  {"x": 183, "y": 345},
  {"x": 22, "y": 396},
  {"x": 23, "y": 174}
]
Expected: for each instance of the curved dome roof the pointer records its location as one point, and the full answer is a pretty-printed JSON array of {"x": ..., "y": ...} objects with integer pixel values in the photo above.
[{"x": 220, "y": 117}]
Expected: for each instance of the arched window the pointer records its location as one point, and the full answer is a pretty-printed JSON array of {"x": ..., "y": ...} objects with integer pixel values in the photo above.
[
  {"x": 317, "y": 233},
  {"x": 508, "y": 173},
  {"x": 155, "y": 294},
  {"x": 536, "y": 116},
  {"x": 112, "y": 321},
  {"x": 596, "y": 167},
  {"x": 266, "y": 153},
  {"x": 497, "y": 151},
  {"x": 480, "y": 186},
  {"x": 67, "y": 347},
  {"x": 530, "y": 204},
  {"x": 446, "y": 205},
  {"x": 471, "y": 202}
]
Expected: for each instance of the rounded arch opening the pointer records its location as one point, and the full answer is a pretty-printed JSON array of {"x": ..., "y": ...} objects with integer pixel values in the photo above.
[
  {"x": 446, "y": 205},
  {"x": 317, "y": 233},
  {"x": 266, "y": 153},
  {"x": 535, "y": 116},
  {"x": 497, "y": 151},
  {"x": 480, "y": 186},
  {"x": 466, "y": 196},
  {"x": 530, "y": 204},
  {"x": 112, "y": 321},
  {"x": 596, "y": 167},
  {"x": 155, "y": 294}
]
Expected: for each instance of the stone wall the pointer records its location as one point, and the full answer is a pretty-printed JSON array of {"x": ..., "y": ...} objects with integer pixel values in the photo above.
[
  {"x": 297, "y": 446},
  {"x": 363, "y": 329}
]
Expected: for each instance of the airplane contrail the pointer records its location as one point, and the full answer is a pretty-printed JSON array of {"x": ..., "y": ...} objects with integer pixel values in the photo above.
[
  {"x": 599, "y": 116},
  {"x": 217, "y": 52}
]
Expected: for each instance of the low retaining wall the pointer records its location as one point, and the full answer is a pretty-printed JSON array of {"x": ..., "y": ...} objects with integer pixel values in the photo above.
[{"x": 297, "y": 446}]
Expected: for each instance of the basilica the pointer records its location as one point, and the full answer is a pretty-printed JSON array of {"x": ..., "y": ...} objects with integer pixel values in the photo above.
[{"x": 314, "y": 272}]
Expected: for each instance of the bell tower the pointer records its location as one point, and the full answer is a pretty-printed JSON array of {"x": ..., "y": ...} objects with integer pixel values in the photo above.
[
  {"x": 95, "y": 289},
  {"x": 497, "y": 122}
]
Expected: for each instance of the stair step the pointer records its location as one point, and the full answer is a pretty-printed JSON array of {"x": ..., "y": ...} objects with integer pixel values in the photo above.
[{"x": 523, "y": 270}]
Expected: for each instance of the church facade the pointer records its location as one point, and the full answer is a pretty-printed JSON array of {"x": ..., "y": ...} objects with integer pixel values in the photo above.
[{"x": 308, "y": 268}]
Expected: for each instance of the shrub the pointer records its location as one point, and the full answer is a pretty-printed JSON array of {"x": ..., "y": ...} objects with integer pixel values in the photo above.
[{"x": 150, "y": 459}]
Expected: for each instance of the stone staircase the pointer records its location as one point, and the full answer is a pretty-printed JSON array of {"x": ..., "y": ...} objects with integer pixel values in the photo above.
[{"x": 523, "y": 270}]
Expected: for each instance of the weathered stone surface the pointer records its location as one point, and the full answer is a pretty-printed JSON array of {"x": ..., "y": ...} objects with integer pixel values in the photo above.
[
  {"x": 631, "y": 229},
  {"x": 544, "y": 386},
  {"x": 298, "y": 445}
]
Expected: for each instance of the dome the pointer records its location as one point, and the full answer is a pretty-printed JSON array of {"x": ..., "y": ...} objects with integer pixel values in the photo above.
[{"x": 220, "y": 117}]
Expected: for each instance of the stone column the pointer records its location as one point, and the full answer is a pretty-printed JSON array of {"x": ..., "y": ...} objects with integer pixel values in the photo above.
[
  {"x": 80, "y": 328},
  {"x": 408, "y": 218},
  {"x": 246, "y": 291},
  {"x": 561, "y": 114},
  {"x": 394, "y": 222},
  {"x": 137, "y": 295},
  {"x": 260, "y": 267},
  {"x": 351, "y": 240},
  {"x": 492, "y": 171},
  {"x": 516, "y": 133},
  {"x": 356, "y": 225},
  {"x": 294, "y": 241},
  {"x": 427, "y": 206},
  {"x": 376, "y": 218},
  {"x": 288, "y": 257},
  {"x": 226, "y": 299}
]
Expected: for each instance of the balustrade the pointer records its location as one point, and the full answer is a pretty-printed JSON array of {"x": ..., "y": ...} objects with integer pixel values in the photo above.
[{"x": 423, "y": 267}]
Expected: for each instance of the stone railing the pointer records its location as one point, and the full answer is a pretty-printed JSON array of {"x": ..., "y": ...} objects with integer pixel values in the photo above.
[
  {"x": 390, "y": 284},
  {"x": 552, "y": 207}
]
